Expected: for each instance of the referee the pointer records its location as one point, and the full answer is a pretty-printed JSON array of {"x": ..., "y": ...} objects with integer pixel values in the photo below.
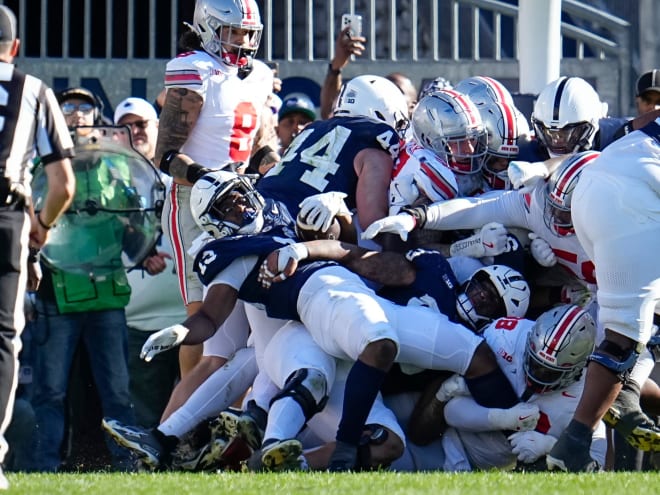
[{"x": 31, "y": 123}]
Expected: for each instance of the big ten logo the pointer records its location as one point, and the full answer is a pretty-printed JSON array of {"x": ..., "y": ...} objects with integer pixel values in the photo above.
[{"x": 505, "y": 355}]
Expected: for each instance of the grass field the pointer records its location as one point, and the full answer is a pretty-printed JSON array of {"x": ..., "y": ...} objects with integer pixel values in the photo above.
[{"x": 491, "y": 483}]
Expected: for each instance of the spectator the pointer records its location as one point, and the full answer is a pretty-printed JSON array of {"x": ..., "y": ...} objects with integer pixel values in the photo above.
[
  {"x": 28, "y": 104},
  {"x": 83, "y": 295},
  {"x": 648, "y": 92},
  {"x": 296, "y": 112}
]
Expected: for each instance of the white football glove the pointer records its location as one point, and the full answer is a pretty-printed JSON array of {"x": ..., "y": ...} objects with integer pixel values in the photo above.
[
  {"x": 541, "y": 251},
  {"x": 491, "y": 240},
  {"x": 400, "y": 224},
  {"x": 163, "y": 340},
  {"x": 319, "y": 211},
  {"x": 521, "y": 417},
  {"x": 530, "y": 446},
  {"x": 453, "y": 386},
  {"x": 525, "y": 175}
]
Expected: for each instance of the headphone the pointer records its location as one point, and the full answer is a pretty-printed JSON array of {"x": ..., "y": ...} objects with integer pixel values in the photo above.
[{"x": 84, "y": 94}]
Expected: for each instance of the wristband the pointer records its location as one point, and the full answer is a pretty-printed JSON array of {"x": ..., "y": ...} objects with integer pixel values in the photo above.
[
  {"x": 166, "y": 161},
  {"x": 333, "y": 71},
  {"x": 418, "y": 213},
  {"x": 41, "y": 222},
  {"x": 195, "y": 171}
]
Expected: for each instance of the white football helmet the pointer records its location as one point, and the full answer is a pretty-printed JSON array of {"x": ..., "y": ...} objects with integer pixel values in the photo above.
[
  {"x": 214, "y": 20},
  {"x": 206, "y": 203},
  {"x": 559, "y": 192},
  {"x": 506, "y": 127},
  {"x": 449, "y": 124},
  {"x": 557, "y": 348},
  {"x": 507, "y": 294},
  {"x": 484, "y": 90},
  {"x": 376, "y": 98},
  {"x": 566, "y": 114}
]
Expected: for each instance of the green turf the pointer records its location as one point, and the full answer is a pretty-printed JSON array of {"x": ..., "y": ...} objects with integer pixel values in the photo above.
[{"x": 493, "y": 483}]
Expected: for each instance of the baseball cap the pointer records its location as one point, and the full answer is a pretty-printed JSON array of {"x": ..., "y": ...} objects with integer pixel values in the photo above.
[
  {"x": 649, "y": 81},
  {"x": 298, "y": 103},
  {"x": 7, "y": 24},
  {"x": 136, "y": 106},
  {"x": 80, "y": 93}
]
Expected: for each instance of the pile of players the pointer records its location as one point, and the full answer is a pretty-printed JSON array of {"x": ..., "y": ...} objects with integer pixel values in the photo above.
[{"x": 400, "y": 290}]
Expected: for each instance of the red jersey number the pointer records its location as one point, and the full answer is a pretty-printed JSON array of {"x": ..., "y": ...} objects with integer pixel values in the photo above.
[{"x": 245, "y": 121}]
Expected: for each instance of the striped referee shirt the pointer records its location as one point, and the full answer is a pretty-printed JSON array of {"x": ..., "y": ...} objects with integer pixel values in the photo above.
[{"x": 31, "y": 124}]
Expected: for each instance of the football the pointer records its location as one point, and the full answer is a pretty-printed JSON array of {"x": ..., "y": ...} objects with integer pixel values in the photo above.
[{"x": 308, "y": 233}]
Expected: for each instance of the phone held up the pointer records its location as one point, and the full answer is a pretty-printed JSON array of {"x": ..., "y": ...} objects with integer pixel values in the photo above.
[{"x": 353, "y": 21}]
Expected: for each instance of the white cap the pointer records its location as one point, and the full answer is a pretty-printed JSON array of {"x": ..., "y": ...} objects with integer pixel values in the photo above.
[{"x": 136, "y": 106}]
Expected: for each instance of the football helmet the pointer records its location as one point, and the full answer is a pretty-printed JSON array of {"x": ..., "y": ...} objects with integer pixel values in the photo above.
[
  {"x": 484, "y": 90},
  {"x": 506, "y": 126},
  {"x": 449, "y": 124},
  {"x": 214, "y": 21},
  {"x": 566, "y": 114},
  {"x": 376, "y": 98},
  {"x": 215, "y": 194},
  {"x": 559, "y": 192},
  {"x": 557, "y": 348},
  {"x": 507, "y": 293},
  {"x": 434, "y": 85}
]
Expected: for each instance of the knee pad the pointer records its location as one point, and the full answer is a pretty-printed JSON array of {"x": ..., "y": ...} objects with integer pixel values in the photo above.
[
  {"x": 309, "y": 388},
  {"x": 615, "y": 358}
]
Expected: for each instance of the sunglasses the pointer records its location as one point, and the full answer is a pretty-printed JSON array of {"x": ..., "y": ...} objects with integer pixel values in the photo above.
[
  {"x": 69, "y": 108},
  {"x": 142, "y": 124}
]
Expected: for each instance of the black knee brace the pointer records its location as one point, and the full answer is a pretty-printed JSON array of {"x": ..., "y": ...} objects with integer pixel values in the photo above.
[
  {"x": 309, "y": 388},
  {"x": 615, "y": 358}
]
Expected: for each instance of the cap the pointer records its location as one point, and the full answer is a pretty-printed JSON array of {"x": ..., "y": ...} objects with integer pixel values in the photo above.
[
  {"x": 298, "y": 103},
  {"x": 136, "y": 106},
  {"x": 80, "y": 93},
  {"x": 649, "y": 81},
  {"x": 7, "y": 24}
]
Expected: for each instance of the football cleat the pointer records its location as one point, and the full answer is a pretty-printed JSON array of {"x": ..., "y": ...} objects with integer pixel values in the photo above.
[
  {"x": 283, "y": 455},
  {"x": 142, "y": 442},
  {"x": 635, "y": 426},
  {"x": 249, "y": 424}
]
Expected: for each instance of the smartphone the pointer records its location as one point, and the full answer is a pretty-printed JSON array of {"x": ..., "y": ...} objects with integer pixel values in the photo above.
[{"x": 355, "y": 23}]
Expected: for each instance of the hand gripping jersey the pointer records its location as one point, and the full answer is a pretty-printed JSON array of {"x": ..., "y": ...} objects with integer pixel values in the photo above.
[
  {"x": 320, "y": 159},
  {"x": 229, "y": 118}
]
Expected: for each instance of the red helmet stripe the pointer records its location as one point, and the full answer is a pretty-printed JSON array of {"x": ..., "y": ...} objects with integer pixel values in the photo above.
[
  {"x": 251, "y": 11},
  {"x": 562, "y": 328},
  {"x": 510, "y": 124},
  {"x": 496, "y": 86},
  {"x": 569, "y": 175},
  {"x": 466, "y": 104}
]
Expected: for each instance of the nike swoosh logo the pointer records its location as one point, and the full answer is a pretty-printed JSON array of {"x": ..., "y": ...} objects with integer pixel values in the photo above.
[
  {"x": 489, "y": 244},
  {"x": 566, "y": 394},
  {"x": 522, "y": 418}
]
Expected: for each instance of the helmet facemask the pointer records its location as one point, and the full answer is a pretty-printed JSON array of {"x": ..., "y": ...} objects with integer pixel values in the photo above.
[
  {"x": 480, "y": 302},
  {"x": 465, "y": 155},
  {"x": 564, "y": 140}
]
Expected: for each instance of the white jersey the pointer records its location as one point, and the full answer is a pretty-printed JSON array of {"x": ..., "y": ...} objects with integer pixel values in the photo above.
[
  {"x": 513, "y": 209},
  {"x": 466, "y": 450},
  {"x": 229, "y": 118},
  {"x": 420, "y": 171}
]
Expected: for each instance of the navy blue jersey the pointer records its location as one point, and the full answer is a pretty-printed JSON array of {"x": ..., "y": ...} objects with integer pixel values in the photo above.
[
  {"x": 320, "y": 159},
  {"x": 280, "y": 300},
  {"x": 435, "y": 284}
]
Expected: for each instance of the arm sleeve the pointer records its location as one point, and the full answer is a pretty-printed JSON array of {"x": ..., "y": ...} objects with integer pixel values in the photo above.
[
  {"x": 236, "y": 273},
  {"x": 506, "y": 207},
  {"x": 465, "y": 414}
]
